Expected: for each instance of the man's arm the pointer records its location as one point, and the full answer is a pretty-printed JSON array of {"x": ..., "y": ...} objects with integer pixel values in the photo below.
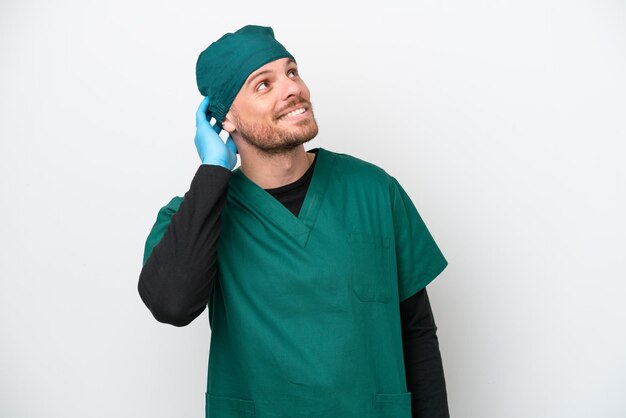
[
  {"x": 177, "y": 277},
  {"x": 176, "y": 280},
  {"x": 422, "y": 359}
]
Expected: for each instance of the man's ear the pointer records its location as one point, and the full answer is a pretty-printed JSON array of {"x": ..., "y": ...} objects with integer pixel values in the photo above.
[{"x": 227, "y": 123}]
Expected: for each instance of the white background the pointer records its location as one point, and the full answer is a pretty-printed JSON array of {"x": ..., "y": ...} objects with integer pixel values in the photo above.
[{"x": 504, "y": 121}]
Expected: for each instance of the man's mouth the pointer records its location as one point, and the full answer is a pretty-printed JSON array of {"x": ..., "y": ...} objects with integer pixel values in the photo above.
[{"x": 293, "y": 113}]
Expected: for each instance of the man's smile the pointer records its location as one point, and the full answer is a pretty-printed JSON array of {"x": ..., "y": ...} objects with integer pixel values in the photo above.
[{"x": 296, "y": 114}]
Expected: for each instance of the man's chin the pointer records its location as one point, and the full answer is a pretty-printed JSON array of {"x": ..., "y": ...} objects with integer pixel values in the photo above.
[
  {"x": 285, "y": 146},
  {"x": 280, "y": 139},
  {"x": 303, "y": 131}
]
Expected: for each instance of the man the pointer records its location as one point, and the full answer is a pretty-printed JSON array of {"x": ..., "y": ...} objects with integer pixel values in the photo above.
[{"x": 313, "y": 263}]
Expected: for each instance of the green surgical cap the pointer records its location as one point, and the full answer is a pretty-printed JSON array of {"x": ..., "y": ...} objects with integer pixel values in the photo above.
[{"x": 225, "y": 65}]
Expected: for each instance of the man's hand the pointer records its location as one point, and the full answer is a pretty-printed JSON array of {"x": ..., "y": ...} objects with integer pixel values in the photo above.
[{"x": 211, "y": 148}]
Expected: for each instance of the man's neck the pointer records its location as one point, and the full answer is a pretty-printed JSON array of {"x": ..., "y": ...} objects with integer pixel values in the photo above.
[{"x": 269, "y": 171}]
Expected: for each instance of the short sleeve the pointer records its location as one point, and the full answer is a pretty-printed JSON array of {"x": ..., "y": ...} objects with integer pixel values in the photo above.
[
  {"x": 160, "y": 226},
  {"x": 419, "y": 259}
]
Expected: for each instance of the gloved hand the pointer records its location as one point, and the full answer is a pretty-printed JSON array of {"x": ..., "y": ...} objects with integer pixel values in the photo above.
[{"x": 211, "y": 148}]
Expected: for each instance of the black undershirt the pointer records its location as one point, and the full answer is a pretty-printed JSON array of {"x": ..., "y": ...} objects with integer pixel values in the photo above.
[
  {"x": 196, "y": 225},
  {"x": 292, "y": 195}
]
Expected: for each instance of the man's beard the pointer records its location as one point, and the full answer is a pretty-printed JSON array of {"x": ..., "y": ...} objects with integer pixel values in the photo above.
[{"x": 271, "y": 139}]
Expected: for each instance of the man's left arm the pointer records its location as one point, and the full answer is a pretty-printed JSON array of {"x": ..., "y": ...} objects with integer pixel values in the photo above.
[
  {"x": 419, "y": 261},
  {"x": 422, "y": 358}
]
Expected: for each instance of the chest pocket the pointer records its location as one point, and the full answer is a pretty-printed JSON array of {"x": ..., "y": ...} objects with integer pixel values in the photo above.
[{"x": 370, "y": 278}]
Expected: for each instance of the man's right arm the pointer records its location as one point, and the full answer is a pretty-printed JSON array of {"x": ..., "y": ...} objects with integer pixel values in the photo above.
[{"x": 179, "y": 268}]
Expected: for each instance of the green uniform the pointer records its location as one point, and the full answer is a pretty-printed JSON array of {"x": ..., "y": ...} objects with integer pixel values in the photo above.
[{"x": 305, "y": 314}]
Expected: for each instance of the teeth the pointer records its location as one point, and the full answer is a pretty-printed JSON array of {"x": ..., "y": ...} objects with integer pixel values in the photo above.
[{"x": 294, "y": 113}]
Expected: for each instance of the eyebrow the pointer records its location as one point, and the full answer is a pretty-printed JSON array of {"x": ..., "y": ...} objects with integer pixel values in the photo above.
[
  {"x": 254, "y": 77},
  {"x": 289, "y": 62}
]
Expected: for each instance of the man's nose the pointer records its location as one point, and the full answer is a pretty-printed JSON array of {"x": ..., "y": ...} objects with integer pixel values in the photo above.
[{"x": 291, "y": 88}]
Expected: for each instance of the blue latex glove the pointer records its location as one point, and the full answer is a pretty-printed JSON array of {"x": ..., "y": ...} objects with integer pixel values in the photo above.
[{"x": 211, "y": 148}]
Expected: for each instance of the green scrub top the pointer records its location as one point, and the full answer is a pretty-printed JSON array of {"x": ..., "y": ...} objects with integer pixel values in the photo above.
[{"x": 305, "y": 316}]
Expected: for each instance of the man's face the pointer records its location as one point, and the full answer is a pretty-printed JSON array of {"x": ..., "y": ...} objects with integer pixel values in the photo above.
[{"x": 272, "y": 111}]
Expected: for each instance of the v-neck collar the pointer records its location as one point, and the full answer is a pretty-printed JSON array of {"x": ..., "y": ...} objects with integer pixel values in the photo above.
[{"x": 268, "y": 207}]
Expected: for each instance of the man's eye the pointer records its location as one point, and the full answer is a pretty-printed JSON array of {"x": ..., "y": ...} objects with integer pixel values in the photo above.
[
  {"x": 261, "y": 86},
  {"x": 294, "y": 72}
]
